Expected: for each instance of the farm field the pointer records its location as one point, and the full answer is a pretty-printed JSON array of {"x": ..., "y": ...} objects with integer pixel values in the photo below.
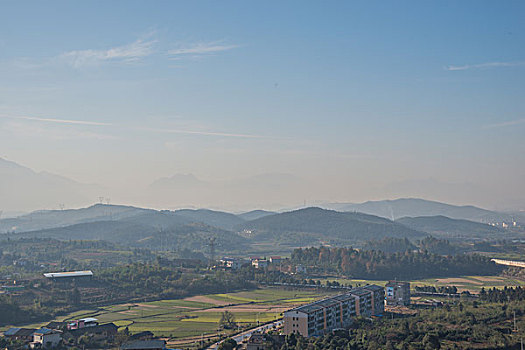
[
  {"x": 471, "y": 283},
  {"x": 187, "y": 320}
]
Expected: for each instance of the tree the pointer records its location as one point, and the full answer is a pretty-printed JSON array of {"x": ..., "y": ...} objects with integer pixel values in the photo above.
[
  {"x": 227, "y": 320},
  {"x": 228, "y": 344}
]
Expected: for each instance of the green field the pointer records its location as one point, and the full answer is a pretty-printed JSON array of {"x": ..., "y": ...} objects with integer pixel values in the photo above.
[
  {"x": 200, "y": 315},
  {"x": 471, "y": 283},
  {"x": 186, "y": 320}
]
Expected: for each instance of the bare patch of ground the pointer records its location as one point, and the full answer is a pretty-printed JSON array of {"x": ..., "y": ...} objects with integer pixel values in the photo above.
[
  {"x": 148, "y": 305},
  {"x": 489, "y": 279},
  {"x": 458, "y": 280},
  {"x": 207, "y": 300},
  {"x": 244, "y": 308}
]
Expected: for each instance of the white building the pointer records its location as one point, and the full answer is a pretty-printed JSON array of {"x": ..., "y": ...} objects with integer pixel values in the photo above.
[
  {"x": 260, "y": 263},
  {"x": 46, "y": 338}
]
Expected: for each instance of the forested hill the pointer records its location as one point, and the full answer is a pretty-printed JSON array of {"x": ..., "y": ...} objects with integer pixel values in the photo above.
[
  {"x": 413, "y": 207},
  {"x": 442, "y": 226},
  {"x": 44, "y": 219},
  {"x": 370, "y": 264},
  {"x": 220, "y": 219},
  {"x": 316, "y": 224},
  {"x": 192, "y": 236}
]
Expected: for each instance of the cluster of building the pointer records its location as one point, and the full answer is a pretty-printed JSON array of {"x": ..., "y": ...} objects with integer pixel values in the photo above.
[
  {"x": 51, "y": 335},
  {"x": 314, "y": 319},
  {"x": 336, "y": 312},
  {"x": 56, "y": 333},
  {"x": 257, "y": 262}
]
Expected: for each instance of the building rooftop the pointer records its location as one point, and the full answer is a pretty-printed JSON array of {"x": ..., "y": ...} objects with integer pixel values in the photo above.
[
  {"x": 330, "y": 301},
  {"x": 45, "y": 330},
  {"x": 11, "y": 331},
  {"x": 144, "y": 344},
  {"x": 397, "y": 283},
  {"x": 68, "y": 274}
]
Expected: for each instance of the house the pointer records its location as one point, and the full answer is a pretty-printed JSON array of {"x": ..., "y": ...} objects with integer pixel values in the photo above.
[
  {"x": 107, "y": 330},
  {"x": 276, "y": 259},
  {"x": 83, "y": 322},
  {"x": 260, "y": 263},
  {"x": 397, "y": 293},
  {"x": 232, "y": 263},
  {"x": 326, "y": 315},
  {"x": 144, "y": 345},
  {"x": 24, "y": 334},
  {"x": 257, "y": 341},
  {"x": 46, "y": 338}
]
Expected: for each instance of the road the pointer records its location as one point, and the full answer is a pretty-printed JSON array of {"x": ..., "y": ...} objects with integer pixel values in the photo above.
[{"x": 246, "y": 334}]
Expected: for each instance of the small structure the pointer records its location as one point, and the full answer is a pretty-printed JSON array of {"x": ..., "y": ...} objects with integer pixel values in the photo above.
[
  {"x": 260, "y": 263},
  {"x": 69, "y": 276},
  {"x": 107, "y": 330},
  {"x": 83, "y": 322},
  {"x": 232, "y": 263},
  {"x": 24, "y": 334},
  {"x": 300, "y": 269},
  {"x": 144, "y": 345},
  {"x": 46, "y": 338},
  {"x": 397, "y": 293},
  {"x": 257, "y": 341},
  {"x": 275, "y": 259}
]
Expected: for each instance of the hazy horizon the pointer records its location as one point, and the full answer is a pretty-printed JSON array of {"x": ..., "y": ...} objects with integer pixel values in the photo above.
[{"x": 248, "y": 105}]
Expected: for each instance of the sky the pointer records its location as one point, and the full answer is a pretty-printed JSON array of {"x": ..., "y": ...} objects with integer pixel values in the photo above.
[{"x": 355, "y": 100}]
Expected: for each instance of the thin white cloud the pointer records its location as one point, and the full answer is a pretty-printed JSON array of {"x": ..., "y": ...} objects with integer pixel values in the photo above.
[
  {"x": 199, "y": 49},
  {"x": 126, "y": 53},
  {"x": 59, "y": 121},
  {"x": 46, "y": 131},
  {"x": 203, "y": 133},
  {"x": 120, "y": 126},
  {"x": 485, "y": 65},
  {"x": 504, "y": 124}
]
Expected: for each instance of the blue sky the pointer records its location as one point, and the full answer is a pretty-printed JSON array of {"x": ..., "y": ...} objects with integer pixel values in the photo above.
[{"x": 352, "y": 97}]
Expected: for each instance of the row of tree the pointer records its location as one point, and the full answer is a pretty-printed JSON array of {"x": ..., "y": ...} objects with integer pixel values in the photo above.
[
  {"x": 374, "y": 264},
  {"x": 502, "y": 295}
]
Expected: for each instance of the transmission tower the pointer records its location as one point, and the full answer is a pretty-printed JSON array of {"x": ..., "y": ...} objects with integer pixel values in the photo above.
[{"x": 211, "y": 244}]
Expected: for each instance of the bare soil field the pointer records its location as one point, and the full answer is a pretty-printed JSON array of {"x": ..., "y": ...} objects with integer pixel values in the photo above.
[
  {"x": 458, "y": 280},
  {"x": 207, "y": 300}
]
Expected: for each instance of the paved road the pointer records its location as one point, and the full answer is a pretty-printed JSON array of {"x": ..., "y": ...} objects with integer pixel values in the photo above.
[{"x": 246, "y": 334}]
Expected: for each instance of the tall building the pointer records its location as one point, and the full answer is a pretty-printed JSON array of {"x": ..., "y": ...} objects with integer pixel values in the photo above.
[
  {"x": 397, "y": 293},
  {"x": 325, "y": 315}
]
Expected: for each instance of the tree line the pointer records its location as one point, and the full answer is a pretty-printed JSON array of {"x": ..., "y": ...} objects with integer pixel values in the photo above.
[{"x": 375, "y": 264}]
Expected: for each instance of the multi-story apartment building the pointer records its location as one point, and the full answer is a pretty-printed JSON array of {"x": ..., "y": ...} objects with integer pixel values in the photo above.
[
  {"x": 397, "y": 293},
  {"x": 325, "y": 315}
]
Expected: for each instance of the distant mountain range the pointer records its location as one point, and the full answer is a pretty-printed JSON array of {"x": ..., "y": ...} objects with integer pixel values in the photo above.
[
  {"x": 23, "y": 189},
  {"x": 193, "y": 229},
  {"x": 334, "y": 224},
  {"x": 442, "y": 226},
  {"x": 316, "y": 226},
  {"x": 44, "y": 219},
  {"x": 414, "y": 207}
]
